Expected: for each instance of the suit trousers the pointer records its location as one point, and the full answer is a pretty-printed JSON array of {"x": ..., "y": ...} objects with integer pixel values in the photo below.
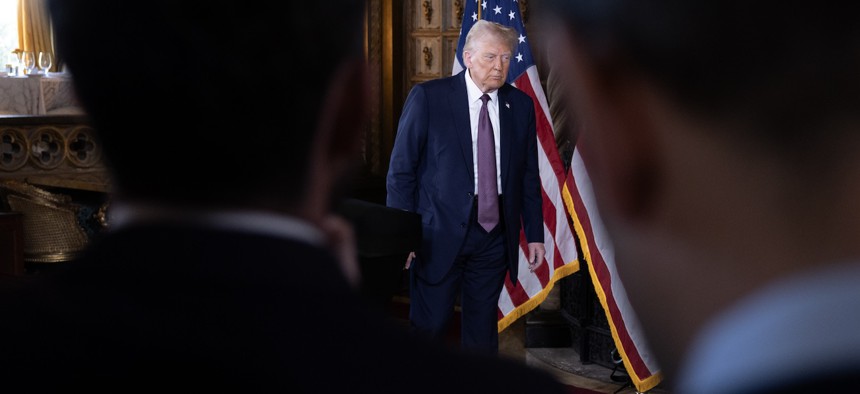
[{"x": 476, "y": 277}]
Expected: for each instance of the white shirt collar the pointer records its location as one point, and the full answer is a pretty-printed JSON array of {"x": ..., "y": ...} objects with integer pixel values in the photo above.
[
  {"x": 259, "y": 222},
  {"x": 475, "y": 93},
  {"x": 798, "y": 326}
]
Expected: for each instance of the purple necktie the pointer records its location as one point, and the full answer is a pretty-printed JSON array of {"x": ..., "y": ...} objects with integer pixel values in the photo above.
[{"x": 488, "y": 193}]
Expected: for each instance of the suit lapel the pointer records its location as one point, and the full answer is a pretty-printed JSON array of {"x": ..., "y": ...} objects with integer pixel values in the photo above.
[{"x": 462, "y": 124}]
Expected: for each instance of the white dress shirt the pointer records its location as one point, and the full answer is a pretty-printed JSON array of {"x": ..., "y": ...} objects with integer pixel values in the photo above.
[
  {"x": 267, "y": 223},
  {"x": 474, "y": 94}
]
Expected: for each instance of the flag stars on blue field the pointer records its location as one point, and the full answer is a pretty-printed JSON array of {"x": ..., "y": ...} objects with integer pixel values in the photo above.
[{"x": 522, "y": 39}]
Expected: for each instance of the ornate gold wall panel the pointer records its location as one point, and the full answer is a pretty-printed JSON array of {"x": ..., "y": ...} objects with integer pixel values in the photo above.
[{"x": 431, "y": 33}]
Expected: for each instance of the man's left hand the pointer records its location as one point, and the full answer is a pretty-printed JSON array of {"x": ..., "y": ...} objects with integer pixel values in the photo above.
[{"x": 536, "y": 254}]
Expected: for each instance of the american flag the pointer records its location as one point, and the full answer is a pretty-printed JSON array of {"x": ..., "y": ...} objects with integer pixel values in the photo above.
[
  {"x": 598, "y": 252},
  {"x": 568, "y": 203},
  {"x": 561, "y": 256}
]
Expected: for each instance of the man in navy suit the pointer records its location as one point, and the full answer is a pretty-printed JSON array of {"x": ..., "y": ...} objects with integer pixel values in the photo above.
[{"x": 433, "y": 172}]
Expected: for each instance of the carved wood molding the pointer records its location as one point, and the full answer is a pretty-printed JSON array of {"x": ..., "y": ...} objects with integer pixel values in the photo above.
[
  {"x": 428, "y": 11},
  {"x": 524, "y": 10},
  {"x": 373, "y": 137},
  {"x": 61, "y": 151},
  {"x": 428, "y": 57}
]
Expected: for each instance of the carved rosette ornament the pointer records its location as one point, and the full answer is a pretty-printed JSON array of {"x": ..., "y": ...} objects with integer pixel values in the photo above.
[
  {"x": 47, "y": 148},
  {"x": 14, "y": 150},
  {"x": 82, "y": 149}
]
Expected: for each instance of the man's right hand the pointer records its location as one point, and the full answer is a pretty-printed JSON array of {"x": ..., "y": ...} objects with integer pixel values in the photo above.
[{"x": 409, "y": 260}]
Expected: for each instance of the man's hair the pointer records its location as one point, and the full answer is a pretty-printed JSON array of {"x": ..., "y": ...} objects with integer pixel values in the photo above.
[
  {"x": 779, "y": 67},
  {"x": 483, "y": 28},
  {"x": 199, "y": 99}
]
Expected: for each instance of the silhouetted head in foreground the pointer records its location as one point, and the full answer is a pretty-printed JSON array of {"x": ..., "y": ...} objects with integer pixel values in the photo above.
[
  {"x": 198, "y": 102},
  {"x": 722, "y": 141}
]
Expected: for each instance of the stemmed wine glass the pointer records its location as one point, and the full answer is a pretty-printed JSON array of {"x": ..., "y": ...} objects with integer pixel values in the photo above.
[
  {"x": 45, "y": 61},
  {"x": 13, "y": 62},
  {"x": 28, "y": 60}
]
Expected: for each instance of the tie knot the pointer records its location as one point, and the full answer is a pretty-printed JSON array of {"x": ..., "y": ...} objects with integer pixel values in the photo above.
[{"x": 485, "y": 97}]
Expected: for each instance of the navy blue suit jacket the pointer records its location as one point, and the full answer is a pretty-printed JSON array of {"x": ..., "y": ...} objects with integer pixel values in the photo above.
[{"x": 431, "y": 170}]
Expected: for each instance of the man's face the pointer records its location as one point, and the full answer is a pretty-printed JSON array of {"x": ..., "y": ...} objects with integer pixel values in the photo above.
[{"x": 488, "y": 63}]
